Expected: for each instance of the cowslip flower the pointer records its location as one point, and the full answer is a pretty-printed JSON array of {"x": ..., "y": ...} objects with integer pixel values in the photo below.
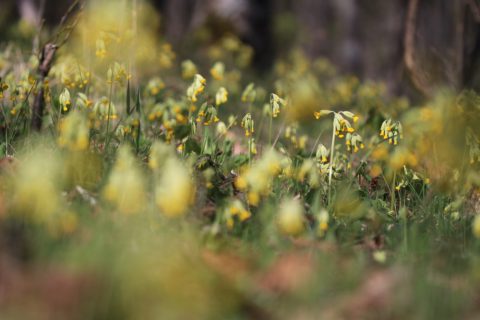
[
  {"x": 221, "y": 96},
  {"x": 155, "y": 85},
  {"x": 275, "y": 103},
  {"x": 308, "y": 172},
  {"x": 174, "y": 191},
  {"x": 218, "y": 71},
  {"x": 166, "y": 56},
  {"x": 189, "y": 69},
  {"x": 391, "y": 131},
  {"x": 342, "y": 125},
  {"x": 37, "y": 186},
  {"x": 248, "y": 125},
  {"x": 82, "y": 101},
  {"x": 64, "y": 100},
  {"x": 197, "y": 87},
  {"x": 402, "y": 157},
  {"x": 101, "y": 50},
  {"x": 74, "y": 132},
  {"x": 290, "y": 218},
  {"x": 322, "y": 222},
  {"x": 207, "y": 114},
  {"x": 257, "y": 179},
  {"x": 125, "y": 187},
  {"x": 235, "y": 209},
  {"x": 3, "y": 88},
  {"x": 159, "y": 153},
  {"x": 476, "y": 226},
  {"x": 221, "y": 128},
  {"x": 249, "y": 94},
  {"x": 322, "y": 155},
  {"x": 105, "y": 109},
  {"x": 354, "y": 142},
  {"x": 117, "y": 74}
]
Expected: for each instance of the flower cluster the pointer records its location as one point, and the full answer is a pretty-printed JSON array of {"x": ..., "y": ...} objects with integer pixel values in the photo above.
[
  {"x": 197, "y": 87},
  {"x": 257, "y": 179},
  {"x": 248, "y": 125},
  {"x": 235, "y": 210},
  {"x": 391, "y": 131}
]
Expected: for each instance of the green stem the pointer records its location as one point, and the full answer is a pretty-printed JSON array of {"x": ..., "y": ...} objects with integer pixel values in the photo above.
[
  {"x": 405, "y": 232},
  {"x": 6, "y": 141},
  {"x": 107, "y": 136},
  {"x": 392, "y": 204},
  {"x": 270, "y": 131},
  {"x": 206, "y": 137},
  {"x": 330, "y": 172},
  {"x": 249, "y": 151},
  {"x": 137, "y": 140}
]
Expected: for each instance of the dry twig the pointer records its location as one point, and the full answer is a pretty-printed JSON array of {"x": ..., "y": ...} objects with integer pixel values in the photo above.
[{"x": 45, "y": 62}]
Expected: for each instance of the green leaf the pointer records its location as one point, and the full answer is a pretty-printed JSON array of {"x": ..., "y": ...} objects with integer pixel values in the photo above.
[{"x": 129, "y": 110}]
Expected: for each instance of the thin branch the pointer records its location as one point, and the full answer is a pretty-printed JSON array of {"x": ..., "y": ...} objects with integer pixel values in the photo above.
[
  {"x": 45, "y": 63},
  {"x": 64, "y": 19},
  {"x": 46, "y": 60}
]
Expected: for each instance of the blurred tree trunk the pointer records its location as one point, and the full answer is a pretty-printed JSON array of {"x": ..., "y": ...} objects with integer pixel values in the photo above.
[
  {"x": 363, "y": 37},
  {"x": 367, "y": 38}
]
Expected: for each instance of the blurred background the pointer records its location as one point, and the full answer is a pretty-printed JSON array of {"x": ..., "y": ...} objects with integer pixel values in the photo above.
[
  {"x": 82, "y": 260},
  {"x": 411, "y": 45}
]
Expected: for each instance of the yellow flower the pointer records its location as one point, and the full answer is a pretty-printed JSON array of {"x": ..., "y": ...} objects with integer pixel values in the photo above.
[
  {"x": 117, "y": 74},
  {"x": 74, "y": 132},
  {"x": 222, "y": 128},
  {"x": 189, "y": 69},
  {"x": 207, "y": 114},
  {"x": 248, "y": 125},
  {"x": 83, "y": 101},
  {"x": 290, "y": 218},
  {"x": 197, "y": 87},
  {"x": 36, "y": 186},
  {"x": 380, "y": 153},
  {"x": 155, "y": 85},
  {"x": 218, "y": 71},
  {"x": 375, "y": 171},
  {"x": 249, "y": 94},
  {"x": 101, "y": 50},
  {"x": 241, "y": 183},
  {"x": 302, "y": 142},
  {"x": 402, "y": 157},
  {"x": 476, "y": 226},
  {"x": 253, "y": 198},
  {"x": 322, "y": 154},
  {"x": 174, "y": 192},
  {"x": 318, "y": 114},
  {"x": 64, "y": 99},
  {"x": 275, "y": 103},
  {"x": 221, "y": 97},
  {"x": 322, "y": 219},
  {"x": 392, "y": 131},
  {"x": 125, "y": 188},
  {"x": 236, "y": 209},
  {"x": 159, "y": 153},
  {"x": 105, "y": 109},
  {"x": 166, "y": 56},
  {"x": 252, "y": 146}
]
